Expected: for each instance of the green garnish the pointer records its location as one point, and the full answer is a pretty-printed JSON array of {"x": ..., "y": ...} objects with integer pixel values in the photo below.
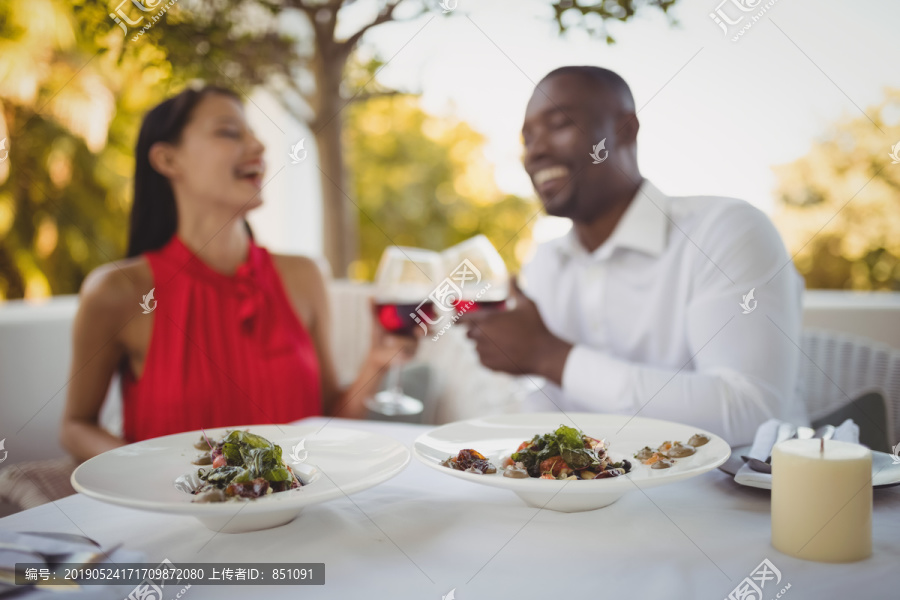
[
  {"x": 249, "y": 457},
  {"x": 566, "y": 442}
]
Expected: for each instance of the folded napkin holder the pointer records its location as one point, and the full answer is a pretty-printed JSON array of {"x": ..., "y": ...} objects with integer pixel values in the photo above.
[{"x": 764, "y": 441}]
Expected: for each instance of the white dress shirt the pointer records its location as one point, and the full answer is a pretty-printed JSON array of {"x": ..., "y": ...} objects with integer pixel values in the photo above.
[{"x": 656, "y": 320}]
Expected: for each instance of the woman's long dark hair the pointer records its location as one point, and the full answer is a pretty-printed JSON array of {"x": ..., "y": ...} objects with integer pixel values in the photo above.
[{"x": 154, "y": 218}]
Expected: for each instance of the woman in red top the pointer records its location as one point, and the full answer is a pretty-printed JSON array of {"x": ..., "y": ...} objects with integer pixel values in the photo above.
[{"x": 238, "y": 336}]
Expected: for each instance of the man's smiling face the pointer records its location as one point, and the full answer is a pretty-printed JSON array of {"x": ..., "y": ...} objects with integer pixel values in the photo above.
[{"x": 565, "y": 118}]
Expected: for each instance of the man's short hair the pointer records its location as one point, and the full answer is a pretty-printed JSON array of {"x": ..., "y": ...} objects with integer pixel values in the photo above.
[{"x": 601, "y": 78}]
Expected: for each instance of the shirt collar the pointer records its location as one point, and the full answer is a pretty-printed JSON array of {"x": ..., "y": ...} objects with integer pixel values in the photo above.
[{"x": 644, "y": 227}]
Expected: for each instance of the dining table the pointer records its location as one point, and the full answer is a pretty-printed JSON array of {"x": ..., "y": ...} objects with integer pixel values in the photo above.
[{"x": 424, "y": 535}]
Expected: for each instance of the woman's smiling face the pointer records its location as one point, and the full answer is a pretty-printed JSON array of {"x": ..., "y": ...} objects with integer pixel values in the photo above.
[{"x": 218, "y": 160}]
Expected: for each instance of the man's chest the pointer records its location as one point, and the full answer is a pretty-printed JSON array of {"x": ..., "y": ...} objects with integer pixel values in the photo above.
[{"x": 632, "y": 306}]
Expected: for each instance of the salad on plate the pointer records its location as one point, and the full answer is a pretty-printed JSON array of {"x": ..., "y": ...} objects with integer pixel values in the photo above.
[
  {"x": 566, "y": 453},
  {"x": 243, "y": 465}
]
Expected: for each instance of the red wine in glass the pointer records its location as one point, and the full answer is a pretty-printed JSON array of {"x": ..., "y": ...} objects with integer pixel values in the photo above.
[
  {"x": 403, "y": 281},
  {"x": 400, "y": 318}
]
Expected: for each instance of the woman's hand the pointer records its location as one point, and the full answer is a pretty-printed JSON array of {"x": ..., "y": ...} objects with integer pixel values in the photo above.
[{"x": 387, "y": 349}]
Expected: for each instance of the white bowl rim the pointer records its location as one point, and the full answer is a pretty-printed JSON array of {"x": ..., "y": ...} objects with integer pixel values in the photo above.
[
  {"x": 274, "y": 502},
  {"x": 611, "y": 484}
]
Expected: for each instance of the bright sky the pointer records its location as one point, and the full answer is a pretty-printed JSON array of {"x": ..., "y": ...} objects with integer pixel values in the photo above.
[{"x": 715, "y": 114}]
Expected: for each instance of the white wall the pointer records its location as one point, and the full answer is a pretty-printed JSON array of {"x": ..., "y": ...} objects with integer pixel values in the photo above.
[
  {"x": 35, "y": 352},
  {"x": 872, "y": 315},
  {"x": 290, "y": 218}
]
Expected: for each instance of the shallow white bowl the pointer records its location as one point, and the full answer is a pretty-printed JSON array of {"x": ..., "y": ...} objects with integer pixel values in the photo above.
[
  {"x": 498, "y": 436},
  {"x": 148, "y": 475}
]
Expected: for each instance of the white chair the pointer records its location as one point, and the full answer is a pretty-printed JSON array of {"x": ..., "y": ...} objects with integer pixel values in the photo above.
[{"x": 837, "y": 369}]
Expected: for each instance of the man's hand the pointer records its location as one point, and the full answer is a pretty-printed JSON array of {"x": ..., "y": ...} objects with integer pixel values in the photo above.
[{"x": 517, "y": 341}]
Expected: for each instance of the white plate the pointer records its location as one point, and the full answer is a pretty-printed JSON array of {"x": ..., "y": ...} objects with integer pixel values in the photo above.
[
  {"x": 498, "y": 436},
  {"x": 339, "y": 462}
]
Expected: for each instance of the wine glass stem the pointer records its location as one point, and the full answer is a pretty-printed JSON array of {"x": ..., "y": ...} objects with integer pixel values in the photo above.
[{"x": 394, "y": 385}]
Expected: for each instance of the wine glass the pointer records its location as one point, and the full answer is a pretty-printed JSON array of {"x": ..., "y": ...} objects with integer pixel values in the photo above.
[
  {"x": 403, "y": 282},
  {"x": 479, "y": 273}
]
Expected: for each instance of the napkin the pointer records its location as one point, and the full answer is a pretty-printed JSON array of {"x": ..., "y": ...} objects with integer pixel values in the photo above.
[
  {"x": 9, "y": 558},
  {"x": 848, "y": 431}
]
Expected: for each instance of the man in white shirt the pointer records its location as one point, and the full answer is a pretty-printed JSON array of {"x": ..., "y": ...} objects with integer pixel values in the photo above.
[{"x": 685, "y": 309}]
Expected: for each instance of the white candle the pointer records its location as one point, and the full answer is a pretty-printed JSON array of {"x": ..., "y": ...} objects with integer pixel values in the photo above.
[{"x": 822, "y": 500}]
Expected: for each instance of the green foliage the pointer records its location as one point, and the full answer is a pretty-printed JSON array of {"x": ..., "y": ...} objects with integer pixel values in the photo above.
[
  {"x": 73, "y": 88},
  {"x": 840, "y": 204},
  {"x": 422, "y": 181},
  {"x": 592, "y": 15}
]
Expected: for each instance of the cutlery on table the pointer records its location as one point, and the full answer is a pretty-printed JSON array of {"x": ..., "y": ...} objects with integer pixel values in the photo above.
[
  {"x": 73, "y": 538},
  {"x": 51, "y": 558},
  {"x": 77, "y": 560}
]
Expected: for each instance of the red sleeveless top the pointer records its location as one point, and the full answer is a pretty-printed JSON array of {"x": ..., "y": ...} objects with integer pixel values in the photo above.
[{"x": 225, "y": 350}]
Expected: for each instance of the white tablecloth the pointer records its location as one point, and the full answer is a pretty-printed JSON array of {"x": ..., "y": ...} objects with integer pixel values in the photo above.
[{"x": 422, "y": 534}]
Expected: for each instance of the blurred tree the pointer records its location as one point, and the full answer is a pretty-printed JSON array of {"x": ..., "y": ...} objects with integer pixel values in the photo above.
[
  {"x": 330, "y": 91},
  {"x": 843, "y": 228},
  {"x": 50, "y": 191},
  {"x": 72, "y": 92},
  {"x": 423, "y": 181},
  {"x": 77, "y": 75}
]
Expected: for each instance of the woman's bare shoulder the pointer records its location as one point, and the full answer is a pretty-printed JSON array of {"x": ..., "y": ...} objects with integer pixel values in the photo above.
[
  {"x": 305, "y": 285},
  {"x": 300, "y": 270},
  {"x": 118, "y": 285}
]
